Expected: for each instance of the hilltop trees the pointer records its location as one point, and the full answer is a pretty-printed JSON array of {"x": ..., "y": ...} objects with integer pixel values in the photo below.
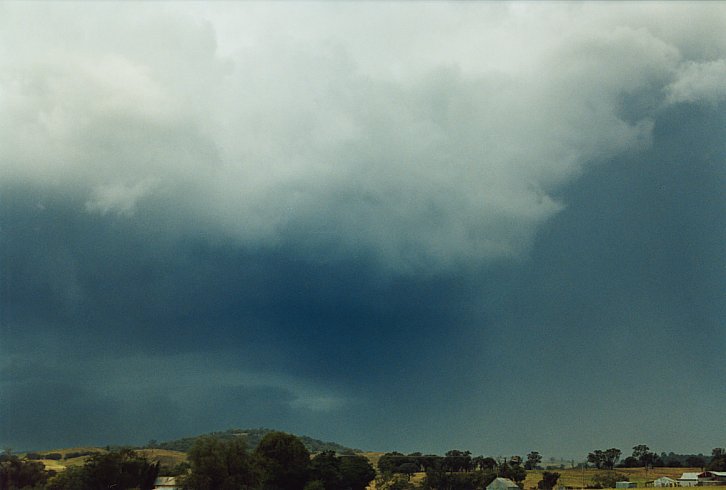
[
  {"x": 280, "y": 462},
  {"x": 283, "y": 462},
  {"x": 217, "y": 464}
]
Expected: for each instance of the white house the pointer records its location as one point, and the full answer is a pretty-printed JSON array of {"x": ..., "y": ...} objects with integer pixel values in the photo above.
[
  {"x": 664, "y": 481},
  {"x": 502, "y": 484},
  {"x": 166, "y": 483}
]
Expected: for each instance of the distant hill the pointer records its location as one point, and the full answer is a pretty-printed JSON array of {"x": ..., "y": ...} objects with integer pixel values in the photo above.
[{"x": 252, "y": 438}]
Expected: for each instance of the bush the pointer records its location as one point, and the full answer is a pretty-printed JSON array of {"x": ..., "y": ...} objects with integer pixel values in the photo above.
[
  {"x": 607, "y": 480},
  {"x": 18, "y": 473},
  {"x": 53, "y": 456}
]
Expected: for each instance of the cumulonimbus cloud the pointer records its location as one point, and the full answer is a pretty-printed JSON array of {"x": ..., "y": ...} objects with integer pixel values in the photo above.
[{"x": 303, "y": 132}]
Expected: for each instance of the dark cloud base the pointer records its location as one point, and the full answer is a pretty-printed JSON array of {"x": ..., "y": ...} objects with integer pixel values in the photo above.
[{"x": 619, "y": 305}]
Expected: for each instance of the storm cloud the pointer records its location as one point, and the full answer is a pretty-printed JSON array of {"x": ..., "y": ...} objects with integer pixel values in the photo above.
[{"x": 348, "y": 220}]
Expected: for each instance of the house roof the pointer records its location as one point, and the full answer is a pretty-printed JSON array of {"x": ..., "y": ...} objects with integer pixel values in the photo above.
[
  {"x": 689, "y": 476},
  {"x": 504, "y": 482},
  {"x": 716, "y": 473}
]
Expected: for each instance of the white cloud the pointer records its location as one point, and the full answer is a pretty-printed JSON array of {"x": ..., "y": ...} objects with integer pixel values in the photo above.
[
  {"x": 699, "y": 82},
  {"x": 425, "y": 135},
  {"x": 118, "y": 198}
]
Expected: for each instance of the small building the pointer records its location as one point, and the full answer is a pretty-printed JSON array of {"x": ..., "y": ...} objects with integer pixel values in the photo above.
[
  {"x": 166, "y": 483},
  {"x": 664, "y": 481},
  {"x": 688, "y": 480},
  {"x": 625, "y": 484},
  {"x": 502, "y": 484},
  {"x": 712, "y": 478}
]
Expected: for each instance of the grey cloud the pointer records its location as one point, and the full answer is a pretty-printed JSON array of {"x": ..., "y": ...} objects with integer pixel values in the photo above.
[{"x": 456, "y": 162}]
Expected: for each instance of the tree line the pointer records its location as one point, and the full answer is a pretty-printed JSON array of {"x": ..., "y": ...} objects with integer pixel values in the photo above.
[
  {"x": 643, "y": 457},
  {"x": 456, "y": 470},
  {"x": 282, "y": 462}
]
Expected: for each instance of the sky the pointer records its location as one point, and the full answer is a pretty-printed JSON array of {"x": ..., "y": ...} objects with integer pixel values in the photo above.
[{"x": 414, "y": 226}]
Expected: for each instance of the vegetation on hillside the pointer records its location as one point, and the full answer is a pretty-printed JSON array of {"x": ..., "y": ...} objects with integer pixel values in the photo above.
[
  {"x": 251, "y": 438},
  {"x": 279, "y": 462}
]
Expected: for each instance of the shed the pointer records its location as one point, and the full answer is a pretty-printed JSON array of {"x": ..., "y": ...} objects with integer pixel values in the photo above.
[
  {"x": 502, "y": 484},
  {"x": 625, "y": 484},
  {"x": 688, "y": 480},
  {"x": 664, "y": 481}
]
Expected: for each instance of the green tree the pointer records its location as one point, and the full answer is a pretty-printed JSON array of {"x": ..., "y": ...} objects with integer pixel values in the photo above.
[
  {"x": 533, "y": 460},
  {"x": 357, "y": 472},
  {"x": 220, "y": 464},
  {"x": 597, "y": 458},
  {"x": 645, "y": 457},
  {"x": 483, "y": 463},
  {"x": 283, "y": 461},
  {"x": 611, "y": 457},
  {"x": 325, "y": 468},
  {"x": 388, "y": 463},
  {"x": 629, "y": 462},
  {"x": 456, "y": 460},
  {"x": 548, "y": 481},
  {"x": 513, "y": 471},
  {"x": 408, "y": 469}
]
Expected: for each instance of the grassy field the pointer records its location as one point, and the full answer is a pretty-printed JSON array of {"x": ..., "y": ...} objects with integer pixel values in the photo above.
[
  {"x": 164, "y": 456},
  {"x": 574, "y": 477}
]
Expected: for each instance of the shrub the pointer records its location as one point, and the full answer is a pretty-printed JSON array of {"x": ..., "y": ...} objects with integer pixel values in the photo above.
[{"x": 607, "y": 480}]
